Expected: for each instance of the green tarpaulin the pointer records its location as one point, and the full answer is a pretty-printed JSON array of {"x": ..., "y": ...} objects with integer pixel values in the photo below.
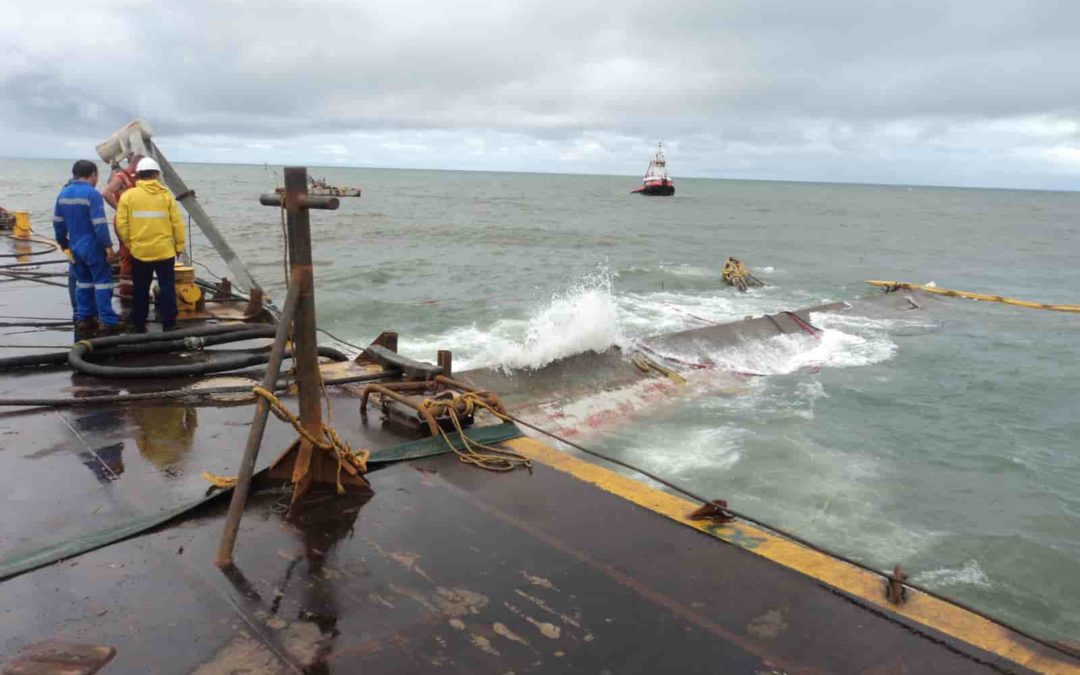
[{"x": 27, "y": 561}]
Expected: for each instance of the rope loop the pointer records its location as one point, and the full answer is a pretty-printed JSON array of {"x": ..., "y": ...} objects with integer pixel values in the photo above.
[
  {"x": 330, "y": 441},
  {"x": 487, "y": 457}
]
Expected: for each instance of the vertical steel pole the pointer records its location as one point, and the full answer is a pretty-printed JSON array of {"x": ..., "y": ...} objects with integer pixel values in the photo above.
[{"x": 305, "y": 349}]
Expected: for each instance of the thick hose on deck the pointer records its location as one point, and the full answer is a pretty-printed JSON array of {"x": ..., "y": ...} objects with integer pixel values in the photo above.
[
  {"x": 891, "y": 286},
  {"x": 173, "y": 394},
  {"x": 192, "y": 339},
  {"x": 53, "y": 246}
]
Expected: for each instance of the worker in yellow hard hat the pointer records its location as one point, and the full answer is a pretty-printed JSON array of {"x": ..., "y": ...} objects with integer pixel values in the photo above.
[{"x": 148, "y": 222}]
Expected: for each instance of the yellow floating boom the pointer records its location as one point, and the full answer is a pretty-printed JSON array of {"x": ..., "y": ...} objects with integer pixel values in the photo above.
[{"x": 894, "y": 285}]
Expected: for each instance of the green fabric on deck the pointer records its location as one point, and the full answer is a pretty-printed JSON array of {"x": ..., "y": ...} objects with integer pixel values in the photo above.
[
  {"x": 20, "y": 563},
  {"x": 429, "y": 447}
]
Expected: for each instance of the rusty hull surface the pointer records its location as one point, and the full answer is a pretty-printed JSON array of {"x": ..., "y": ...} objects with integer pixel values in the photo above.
[
  {"x": 574, "y": 395},
  {"x": 450, "y": 569}
]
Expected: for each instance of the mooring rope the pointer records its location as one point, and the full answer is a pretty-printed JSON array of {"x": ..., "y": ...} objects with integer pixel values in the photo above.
[
  {"x": 891, "y": 286},
  {"x": 492, "y": 459},
  {"x": 330, "y": 441}
]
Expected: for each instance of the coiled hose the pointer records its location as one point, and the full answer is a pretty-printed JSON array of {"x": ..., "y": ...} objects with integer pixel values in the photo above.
[{"x": 187, "y": 340}]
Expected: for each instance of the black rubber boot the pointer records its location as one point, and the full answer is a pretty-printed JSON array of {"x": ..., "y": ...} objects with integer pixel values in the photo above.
[
  {"x": 86, "y": 329},
  {"x": 105, "y": 330}
]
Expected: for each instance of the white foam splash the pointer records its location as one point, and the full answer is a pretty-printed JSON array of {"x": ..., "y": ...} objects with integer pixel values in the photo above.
[
  {"x": 581, "y": 319},
  {"x": 684, "y": 270},
  {"x": 590, "y": 316},
  {"x": 970, "y": 574},
  {"x": 644, "y": 314},
  {"x": 710, "y": 449},
  {"x": 784, "y": 354}
]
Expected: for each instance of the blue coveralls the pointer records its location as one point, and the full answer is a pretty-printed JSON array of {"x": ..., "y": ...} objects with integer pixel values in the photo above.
[{"x": 80, "y": 225}]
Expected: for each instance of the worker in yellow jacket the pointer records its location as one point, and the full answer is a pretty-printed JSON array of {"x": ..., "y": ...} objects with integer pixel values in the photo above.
[{"x": 148, "y": 223}]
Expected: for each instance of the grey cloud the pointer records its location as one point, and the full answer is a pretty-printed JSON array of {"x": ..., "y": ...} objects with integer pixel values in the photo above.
[{"x": 732, "y": 81}]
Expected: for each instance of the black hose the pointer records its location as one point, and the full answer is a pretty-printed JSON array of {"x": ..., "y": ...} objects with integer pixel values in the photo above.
[
  {"x": 36, "y": 324},
  {"x": 53, "y": 246},
  {"x": 170, "y": 394},
  {"x": 117, "y": 344},
  {"x": 15, "y": 276},
  {"x": 232, "y": 361},
  {"x": 33, "y": 360},
  {"x": 8, "y": 266},
  {"x": 191, "y": 339}
]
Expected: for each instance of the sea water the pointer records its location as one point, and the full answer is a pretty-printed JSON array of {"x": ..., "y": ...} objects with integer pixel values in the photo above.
[{"x": 946, "y": 440}]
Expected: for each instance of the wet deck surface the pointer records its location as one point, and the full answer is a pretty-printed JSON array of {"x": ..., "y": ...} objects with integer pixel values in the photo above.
[
  {"x": 446, "y": 568},
  {"x": 450, "y": 569}
]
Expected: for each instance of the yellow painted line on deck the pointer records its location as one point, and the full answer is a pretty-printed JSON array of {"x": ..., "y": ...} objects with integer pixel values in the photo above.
[{"x": 869, "y": 587}]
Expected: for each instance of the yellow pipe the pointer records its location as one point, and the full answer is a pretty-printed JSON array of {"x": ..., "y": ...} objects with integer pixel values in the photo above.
[
  {"x": 974, "y": 296},
  {"x": 869, "y": 587}
]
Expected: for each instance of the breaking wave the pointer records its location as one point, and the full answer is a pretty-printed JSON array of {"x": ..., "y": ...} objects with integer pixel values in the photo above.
[
  {"x": 590, "y": 316},
  {"x": 583, "y": 318},
  {"x": 785, "y": 354}
]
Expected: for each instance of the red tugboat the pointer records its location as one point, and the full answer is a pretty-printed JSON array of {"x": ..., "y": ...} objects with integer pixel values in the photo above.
[{"x": 656, "y": 182}]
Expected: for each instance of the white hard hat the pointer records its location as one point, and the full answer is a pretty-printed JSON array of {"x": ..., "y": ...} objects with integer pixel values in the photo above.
[{"x": 147, "y": 164}]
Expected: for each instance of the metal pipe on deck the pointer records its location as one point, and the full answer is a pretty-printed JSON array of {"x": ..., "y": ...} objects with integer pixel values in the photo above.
[{"x": 255, "y": 434}]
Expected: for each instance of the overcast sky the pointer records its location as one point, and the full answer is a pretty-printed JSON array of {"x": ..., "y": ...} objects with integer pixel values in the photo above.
[{"x": 954, "y": 92}]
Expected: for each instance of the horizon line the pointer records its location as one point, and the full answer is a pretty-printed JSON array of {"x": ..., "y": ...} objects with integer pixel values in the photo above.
[{"x": 595, "y": 175}]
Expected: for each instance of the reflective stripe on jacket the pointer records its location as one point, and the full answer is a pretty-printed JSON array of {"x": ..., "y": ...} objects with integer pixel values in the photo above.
[
  {"x": 79, "y": 219},
  {"x": 148, "y": 222}
]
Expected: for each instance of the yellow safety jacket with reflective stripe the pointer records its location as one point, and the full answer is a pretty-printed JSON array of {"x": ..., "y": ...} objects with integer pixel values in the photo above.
[{"x": 148, "y": 222}]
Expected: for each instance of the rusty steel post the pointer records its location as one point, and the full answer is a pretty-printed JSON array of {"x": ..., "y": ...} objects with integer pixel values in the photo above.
[
  {"x": 445, "y": 360},
  {"x": 306, "y": 343},
  {"x": 306, "y": 462}
]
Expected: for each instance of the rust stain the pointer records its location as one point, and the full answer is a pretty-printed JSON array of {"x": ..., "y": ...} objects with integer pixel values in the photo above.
[
  {"x": 538, "y": 581},
  {"x": 459, "y": 601},
  {"x": 548, "y": 630},
  {"x": 415, "y": 596},
  {"x": 544, "y": 606},
  {"x": 241, "y": 655},
  {"x": 375, "y": 597},
  {"x": 305, "y": 642},
  {"x": 484, "y": 644},
  {"x": 501, "y": 629},
  {"x": 769, "y": 625},
  {"x": 404, "y": 558}
]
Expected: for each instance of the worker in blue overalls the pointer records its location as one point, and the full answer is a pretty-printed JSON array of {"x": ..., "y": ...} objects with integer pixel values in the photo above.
[{"x": 83, "y": 234}]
